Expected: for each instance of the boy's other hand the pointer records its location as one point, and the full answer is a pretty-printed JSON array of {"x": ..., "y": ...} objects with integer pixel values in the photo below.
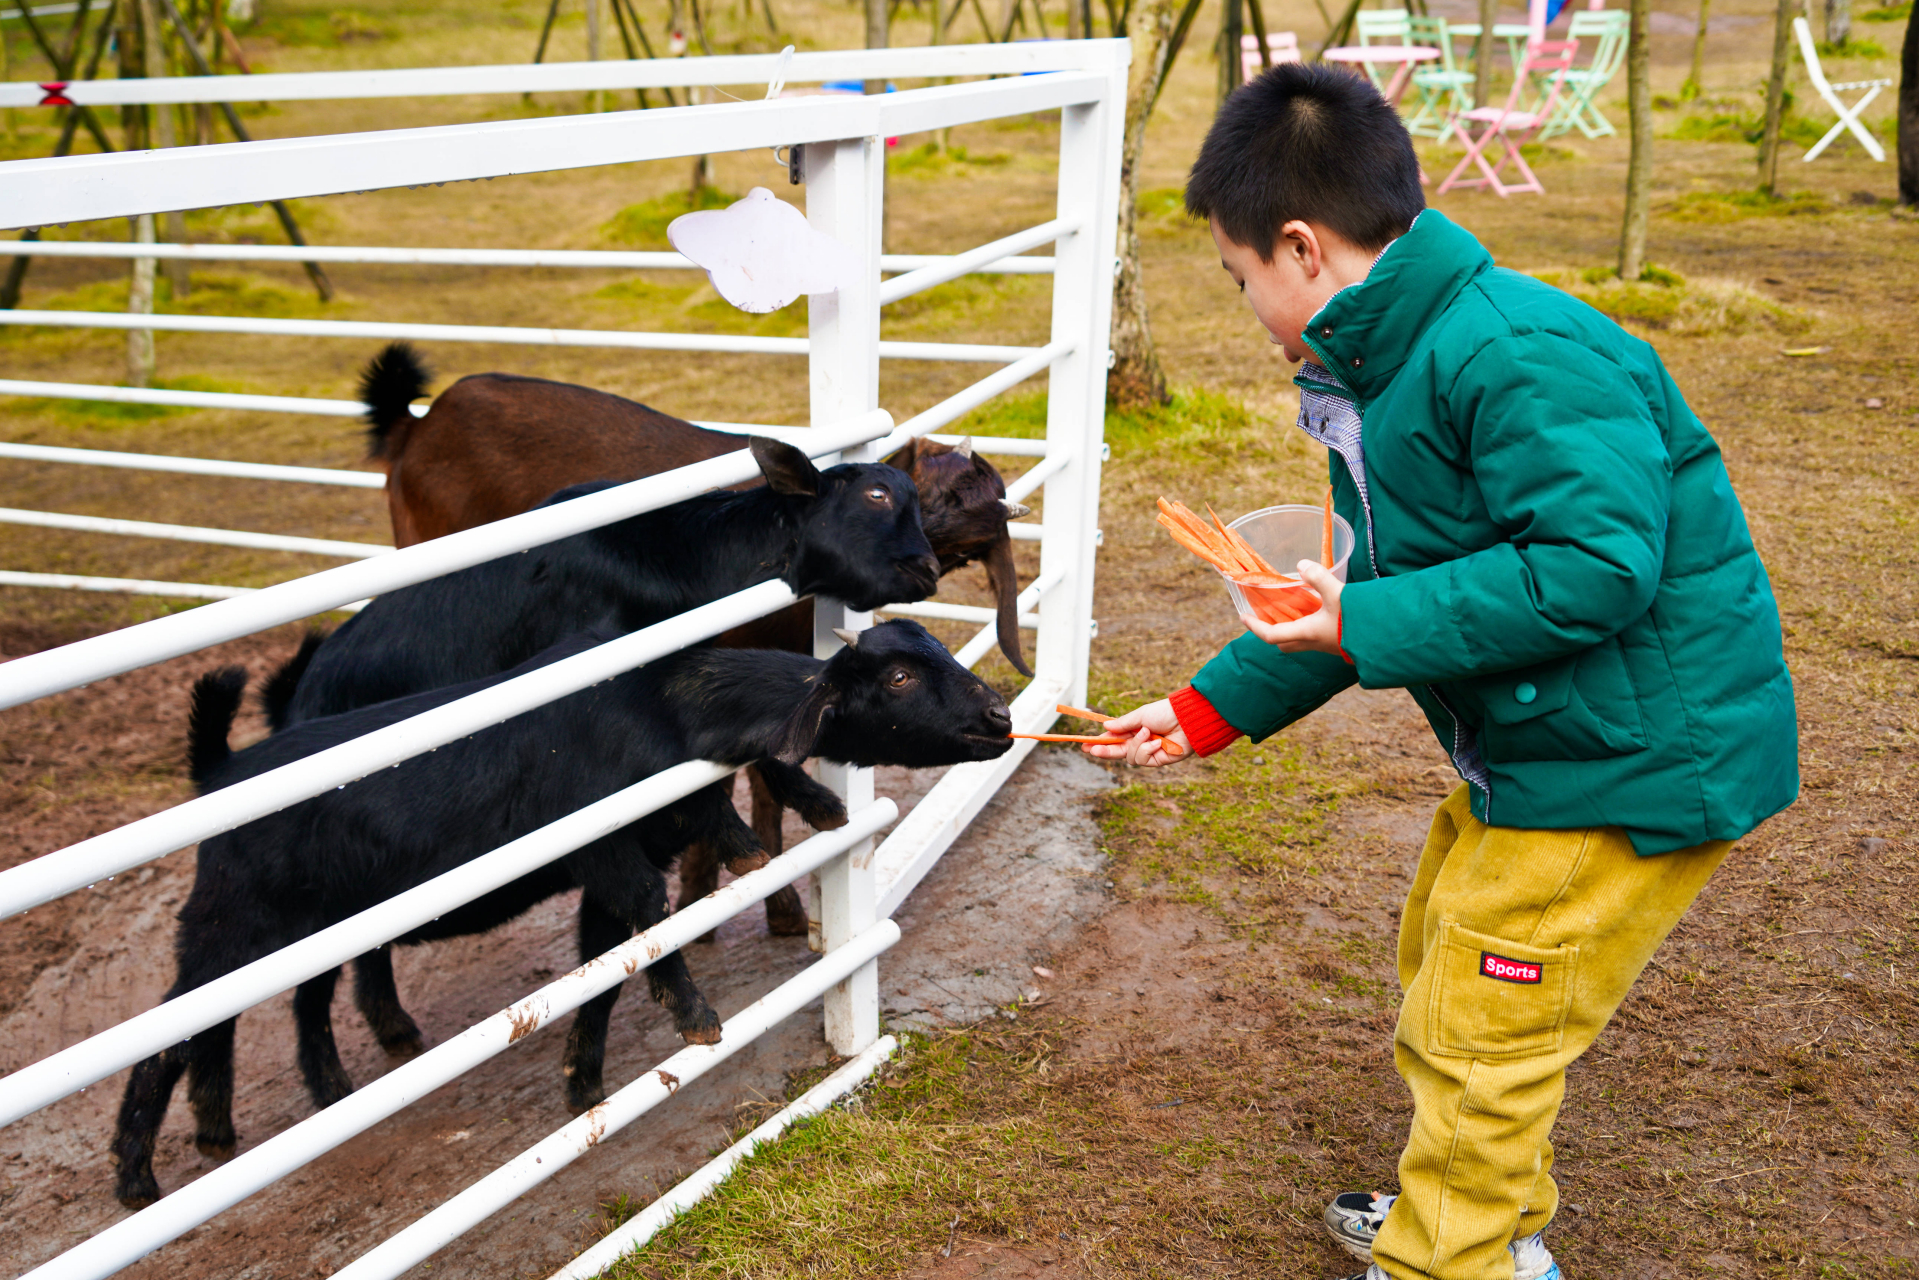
[
  {"x": 1317, "y": 632},
  {"x": 1146, "y": 726}
]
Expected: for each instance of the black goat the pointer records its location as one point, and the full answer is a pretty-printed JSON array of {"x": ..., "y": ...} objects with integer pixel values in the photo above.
[
  {"x": 894, "y": 697},
  {"x": 851, "y": 531}
]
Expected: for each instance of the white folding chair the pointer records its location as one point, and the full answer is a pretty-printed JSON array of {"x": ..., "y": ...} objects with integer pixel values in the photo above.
[
  {"x": 1848, "y": 116},
  {"x": 1281, "y": 46}
]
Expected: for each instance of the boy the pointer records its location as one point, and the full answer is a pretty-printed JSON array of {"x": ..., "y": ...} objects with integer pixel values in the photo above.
[{"x": 1553, "y": 563}]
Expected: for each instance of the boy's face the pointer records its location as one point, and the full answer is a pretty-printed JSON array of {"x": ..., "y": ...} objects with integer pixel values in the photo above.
[{"x": 1309, "y": 265}]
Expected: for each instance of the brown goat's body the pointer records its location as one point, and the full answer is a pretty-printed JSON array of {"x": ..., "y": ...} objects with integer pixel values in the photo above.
[{"x": 496, "y": 444}]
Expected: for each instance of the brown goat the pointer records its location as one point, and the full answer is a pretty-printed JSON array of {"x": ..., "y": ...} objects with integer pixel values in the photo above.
[{"x": 495, "y": 444}]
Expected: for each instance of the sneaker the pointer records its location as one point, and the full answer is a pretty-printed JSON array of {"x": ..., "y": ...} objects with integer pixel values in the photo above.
[
  {"x": 1355, "y": 1217},
  {"x": 1371, "y": 1273},
  {"x": 1532, "y": 1260}
]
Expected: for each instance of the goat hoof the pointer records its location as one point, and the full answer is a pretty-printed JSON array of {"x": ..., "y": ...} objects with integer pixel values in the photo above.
[
  {"x": 580, "y": 1101},
  {"x": 215, "y": 1150},
  {"x": 137, "y": 1192},
  {"x": 403, "y": 1047},
  {"x": 704, "y": 1033},
  {"x": 830, "y": 821},
  {"x": 786, "y": 915},
  {"x": 747, "y": 862},
  {"x": 708, "y": 939}
]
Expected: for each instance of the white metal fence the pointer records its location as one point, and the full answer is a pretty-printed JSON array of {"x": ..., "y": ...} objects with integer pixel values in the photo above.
[{"x": 859, "y": 882}]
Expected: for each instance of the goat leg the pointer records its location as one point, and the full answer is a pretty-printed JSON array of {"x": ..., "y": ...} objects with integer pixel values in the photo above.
[
  {"x": 378, "y": 999},
  {"x": 699, "y": 876},
  {"x": 149, "y": 1089},
  {"x": 326, "y": 1080},
  {"x": 209, "y": 1058},
  {"x": 775, "y": 782},
  {"x": 599, "y": 932},
  {"x": 785, "y": 913}
]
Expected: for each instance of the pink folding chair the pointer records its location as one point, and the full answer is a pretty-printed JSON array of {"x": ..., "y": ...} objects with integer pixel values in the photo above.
[{"x": 1511, "y": 127}]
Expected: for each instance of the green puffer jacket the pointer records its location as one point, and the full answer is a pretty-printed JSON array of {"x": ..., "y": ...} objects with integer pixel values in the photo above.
[{"x": 1552, "y": 559}]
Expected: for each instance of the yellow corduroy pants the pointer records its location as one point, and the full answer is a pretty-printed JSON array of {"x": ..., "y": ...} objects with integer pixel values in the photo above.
[{"x": 1515, "y": 948}]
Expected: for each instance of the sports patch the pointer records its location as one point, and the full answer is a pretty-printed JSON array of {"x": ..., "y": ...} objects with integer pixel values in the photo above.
[{"x": 1505, "y": 970}]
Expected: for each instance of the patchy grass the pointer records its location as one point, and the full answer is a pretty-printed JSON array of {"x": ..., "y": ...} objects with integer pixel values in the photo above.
[
  {"x": 1662, "y": 299},
  {"x": 1852, "y": 49},
  {"x": 1237, "y": 834},
  {"x": 928, "y": 161},
  {"x": 1730, "y": 206},
  {"x": 643, "y": 225}
]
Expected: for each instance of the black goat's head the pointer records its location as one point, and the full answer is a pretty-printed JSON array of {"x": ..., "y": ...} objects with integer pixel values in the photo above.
[
  {"x": 894, "y": 695},
  {"x": 860, "y": 539},
  {"x": 964, "y": 508}
]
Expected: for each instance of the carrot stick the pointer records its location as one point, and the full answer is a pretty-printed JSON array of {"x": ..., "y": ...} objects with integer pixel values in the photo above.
[
  {"x": 1167, "y": 745},
  {"x": 1097, "y": 739},
  {"x": 1326, "y": 532}
]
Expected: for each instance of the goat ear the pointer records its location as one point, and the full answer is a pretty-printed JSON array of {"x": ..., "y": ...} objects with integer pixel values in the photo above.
[
  {"x": 851, "y": 639},
  {"x": 907, "y": 455},
  {"x": 786, "y": 469},
  {"x": 796, "y": 738}
]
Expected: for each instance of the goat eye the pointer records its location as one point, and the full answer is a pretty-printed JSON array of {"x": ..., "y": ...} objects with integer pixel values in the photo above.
[
  {"x": 879, "y": 496},
  {"x": 899, "y": 679}
]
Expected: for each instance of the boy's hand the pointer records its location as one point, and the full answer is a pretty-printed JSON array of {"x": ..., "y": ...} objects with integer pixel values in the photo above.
[
  {"x": 1317, "y": 632},
  {"x": 1146, "y": 725}
]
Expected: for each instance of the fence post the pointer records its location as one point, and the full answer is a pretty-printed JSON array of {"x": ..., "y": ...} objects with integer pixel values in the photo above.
[
  {"x": 1090, "y": 138},
  {"x": 844, "y": 193}
]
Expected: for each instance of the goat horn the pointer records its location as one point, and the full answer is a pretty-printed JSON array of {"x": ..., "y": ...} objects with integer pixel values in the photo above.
[
  {"x": 851, "y": 639},
  {"x": 1014, "y": 510},
  {"x": 965, "y": 447}
]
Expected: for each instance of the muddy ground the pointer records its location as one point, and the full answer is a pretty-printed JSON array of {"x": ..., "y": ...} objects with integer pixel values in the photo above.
[{"x": 1751, "y": 1111}]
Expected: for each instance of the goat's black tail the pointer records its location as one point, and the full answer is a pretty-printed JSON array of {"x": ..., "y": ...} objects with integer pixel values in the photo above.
[
  {"x": 276, "y": 695},
  {"x": 392, "y": 381},
  {"x": 216, "y": 700}
]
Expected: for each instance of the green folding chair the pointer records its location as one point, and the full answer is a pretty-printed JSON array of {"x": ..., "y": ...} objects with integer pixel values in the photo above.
[
  {"x": 1379, "y": 26},
  {"x": 1577, "y": 110},
  {"x": 1444, "y": 89}
]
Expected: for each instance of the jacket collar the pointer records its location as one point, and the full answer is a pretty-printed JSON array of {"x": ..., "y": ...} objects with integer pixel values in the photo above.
[{"x": 1365, "y": 332}]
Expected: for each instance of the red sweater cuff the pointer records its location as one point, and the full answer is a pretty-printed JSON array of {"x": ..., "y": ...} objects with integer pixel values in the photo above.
[{"x": 1202, "y": 725}]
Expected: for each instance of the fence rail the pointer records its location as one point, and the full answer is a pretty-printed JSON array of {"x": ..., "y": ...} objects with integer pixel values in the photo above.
[{"x": 859, "y": 879}]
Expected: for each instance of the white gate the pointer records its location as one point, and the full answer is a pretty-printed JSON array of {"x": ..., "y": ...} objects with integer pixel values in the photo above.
[{"x": 858, "y": 883}]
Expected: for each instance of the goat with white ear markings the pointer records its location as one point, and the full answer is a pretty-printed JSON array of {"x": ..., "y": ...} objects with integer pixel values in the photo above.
[{"x": 894, "y": 697}]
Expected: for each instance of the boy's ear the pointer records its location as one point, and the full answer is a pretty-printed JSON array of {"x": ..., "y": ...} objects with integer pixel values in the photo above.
[
  {"x": 786, "y": 469},
  {"x": 795, "y": 740}
]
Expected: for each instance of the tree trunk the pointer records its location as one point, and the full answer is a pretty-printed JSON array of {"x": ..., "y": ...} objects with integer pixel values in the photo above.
[
  {"x": 1232, "y": 24},
  {"x": 1694, "y": 85},
  {"x": 1776, "y": 96},
  {"x": 1632, "y": 236},
  {"x": 1909, "y": 117},
  {"x": 1838, "y": 21},
  {"x": 1137, "y": 379},
  {"x": 1483, "y": 53},
  {"x": 155, "y": 56},
  {"x": 877, "y": 14},
  {"x": 134, "y": 120}
]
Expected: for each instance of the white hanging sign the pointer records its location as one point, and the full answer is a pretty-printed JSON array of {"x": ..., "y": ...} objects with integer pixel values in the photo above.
[{"x": 760, "y": 252}]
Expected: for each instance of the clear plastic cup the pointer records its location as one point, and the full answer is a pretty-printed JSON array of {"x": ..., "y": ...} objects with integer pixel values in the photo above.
[{"x": 1284, "y": 535}]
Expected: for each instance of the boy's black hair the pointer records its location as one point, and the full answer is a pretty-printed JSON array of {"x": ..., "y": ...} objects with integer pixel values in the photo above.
[{"x": 1312, "y": 142}]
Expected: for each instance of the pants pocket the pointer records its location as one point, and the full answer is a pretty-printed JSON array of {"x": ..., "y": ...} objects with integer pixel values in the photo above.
[{"x": 1499, "y": 1000}]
